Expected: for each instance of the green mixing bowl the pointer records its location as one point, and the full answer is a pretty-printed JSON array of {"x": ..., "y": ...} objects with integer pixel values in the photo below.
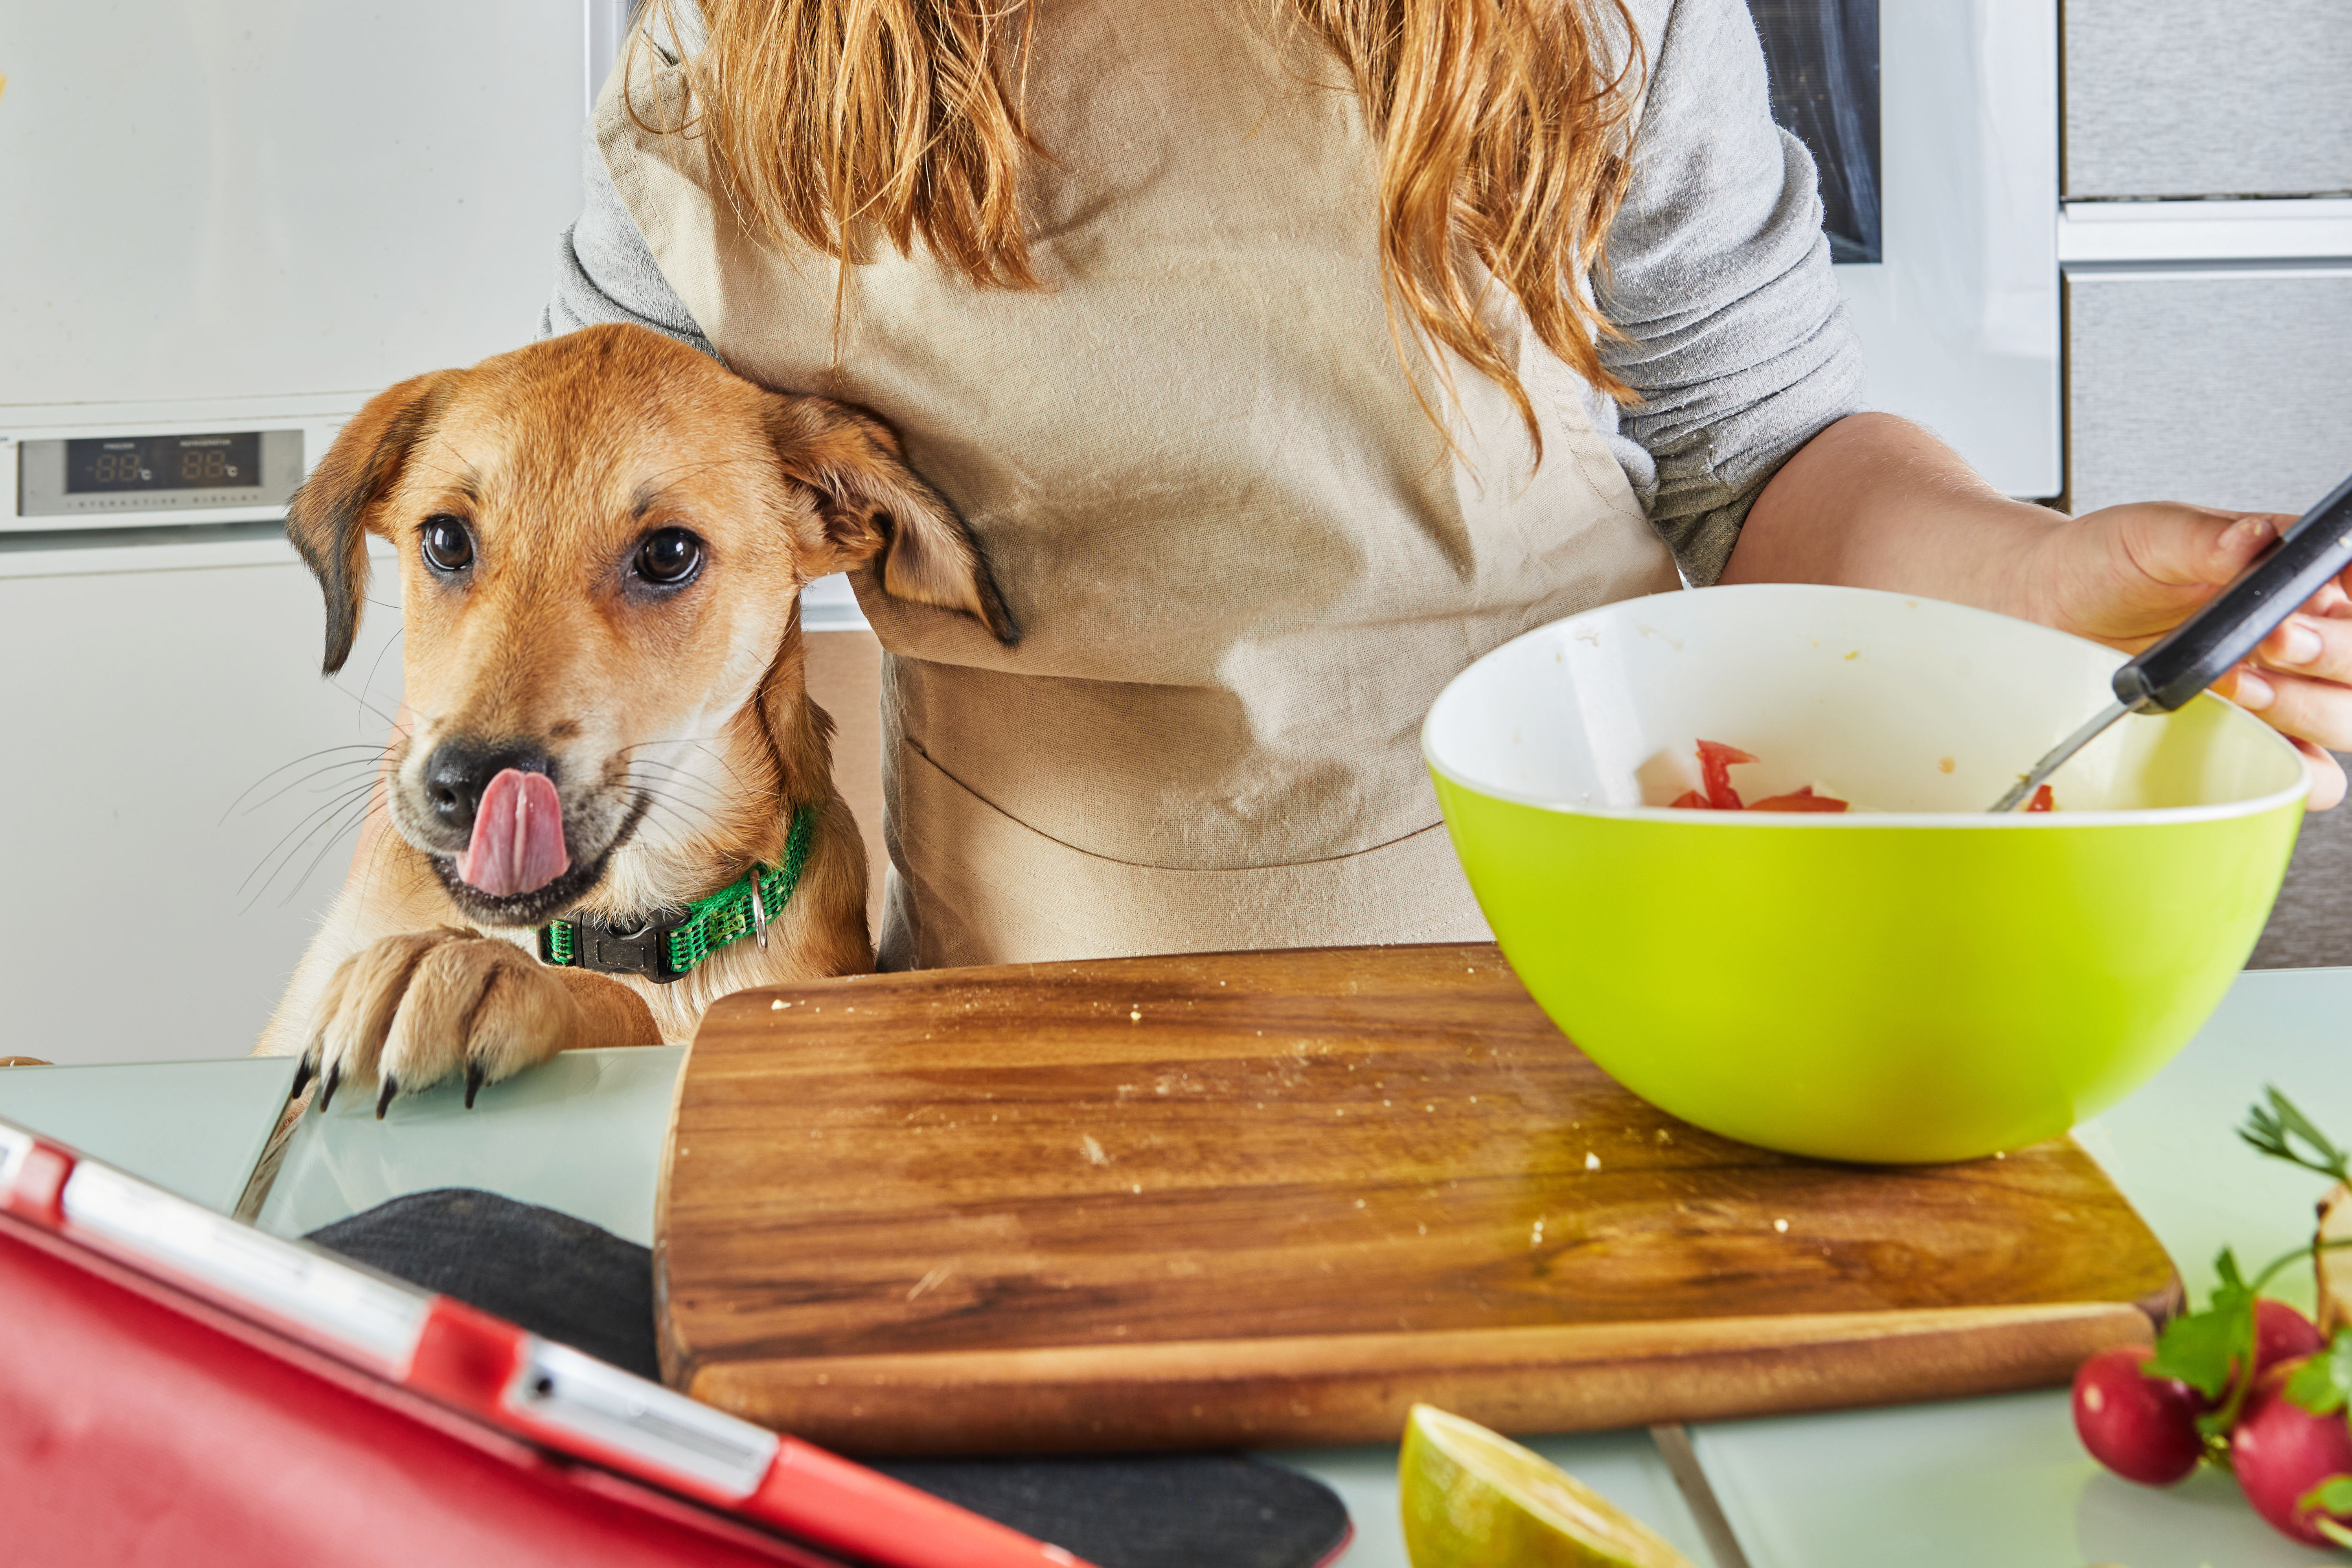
[{"x": 1916, "y": 980}]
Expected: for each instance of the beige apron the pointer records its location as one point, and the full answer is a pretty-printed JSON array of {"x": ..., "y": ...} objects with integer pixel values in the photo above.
[{"x": 1243, "y": 560}]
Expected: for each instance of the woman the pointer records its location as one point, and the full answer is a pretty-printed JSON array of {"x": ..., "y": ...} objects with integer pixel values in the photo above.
[{"x": 1254, "y": 339}]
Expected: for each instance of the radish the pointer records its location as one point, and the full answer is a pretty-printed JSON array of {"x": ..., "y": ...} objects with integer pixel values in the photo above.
[
  {"x": 2281, "y": 1451},
  {"x": 2143, "y": 1428},
  {"x": 2282, "y": 1334}
]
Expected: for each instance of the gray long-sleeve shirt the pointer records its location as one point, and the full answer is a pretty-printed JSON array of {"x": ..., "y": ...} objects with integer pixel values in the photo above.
[{"x": 1718, "y": 277}]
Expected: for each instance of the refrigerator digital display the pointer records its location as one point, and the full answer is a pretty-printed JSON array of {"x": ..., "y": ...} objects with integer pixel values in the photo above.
[
  {"x": 105, "y": 464},
  {"x": 1823, "y": 59}
]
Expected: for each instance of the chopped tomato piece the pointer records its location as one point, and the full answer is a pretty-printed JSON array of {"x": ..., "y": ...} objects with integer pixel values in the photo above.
[
  {"x": 1802, "y": 800},
  {"x": 1715, "y": 760},
  {"x": 2043, "y": 800},
  {"x": 1714, "y": 763}
]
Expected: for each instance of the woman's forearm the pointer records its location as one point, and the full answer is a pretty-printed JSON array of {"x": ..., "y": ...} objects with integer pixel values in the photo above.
[{"x": 1875, "y": 502}]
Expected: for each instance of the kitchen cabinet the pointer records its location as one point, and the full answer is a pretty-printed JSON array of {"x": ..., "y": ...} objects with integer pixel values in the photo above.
[
  {"x": 2221, "y": 384},
  {"x": 2182, "y": 97},
  {"x": 153, "y": 907}
]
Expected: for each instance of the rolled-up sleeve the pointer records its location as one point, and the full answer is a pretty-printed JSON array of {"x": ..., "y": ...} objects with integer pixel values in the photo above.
[
  {"x": 603, "y": 272},
  {"x": 1718, "y": 277}
]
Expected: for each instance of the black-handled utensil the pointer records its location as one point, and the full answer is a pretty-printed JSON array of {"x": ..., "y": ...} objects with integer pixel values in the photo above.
[{"x": 2199, "y": 651}]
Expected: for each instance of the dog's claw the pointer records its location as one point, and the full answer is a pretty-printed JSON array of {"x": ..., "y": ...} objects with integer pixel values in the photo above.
[
  {"x": 327, "y": 1091},
  {"x": 473, "y": 1082},
  {"x": 390, "y": 1088},
  {"x": 303, "y": 1073}
]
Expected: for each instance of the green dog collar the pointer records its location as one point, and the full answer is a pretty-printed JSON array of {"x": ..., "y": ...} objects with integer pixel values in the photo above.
[{"x": 670, "y": 942}]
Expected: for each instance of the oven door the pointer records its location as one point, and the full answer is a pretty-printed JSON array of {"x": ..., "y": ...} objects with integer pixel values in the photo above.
[{"x": 1935, "y": 129}]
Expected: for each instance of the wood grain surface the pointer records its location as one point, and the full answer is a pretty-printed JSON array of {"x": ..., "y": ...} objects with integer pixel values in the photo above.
[{"x": 1277, "y": 1197}]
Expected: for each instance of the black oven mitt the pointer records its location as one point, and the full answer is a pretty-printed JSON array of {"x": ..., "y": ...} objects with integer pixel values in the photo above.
[{"x": 567, "y": 1280}]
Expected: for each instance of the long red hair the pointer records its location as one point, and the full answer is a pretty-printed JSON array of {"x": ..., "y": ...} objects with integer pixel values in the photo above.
[{"x": 1503, "y": 127}]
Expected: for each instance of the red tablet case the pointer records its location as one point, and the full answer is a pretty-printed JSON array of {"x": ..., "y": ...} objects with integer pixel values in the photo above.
[{"x": 149, "y": 1414}]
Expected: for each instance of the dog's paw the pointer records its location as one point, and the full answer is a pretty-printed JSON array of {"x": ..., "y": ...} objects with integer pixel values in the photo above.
[{"x": 408, "y": 1011}]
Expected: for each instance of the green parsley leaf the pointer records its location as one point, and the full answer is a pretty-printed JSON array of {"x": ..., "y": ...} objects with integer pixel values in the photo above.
[
  {"x": 2333, "y": 1495},
  {"x": 2276, "y": 1131},
  {"x": 2203, "y": 1349},
  {"x": 2324, "y": 1383},
  {"x": 2225, "y": 1269}
]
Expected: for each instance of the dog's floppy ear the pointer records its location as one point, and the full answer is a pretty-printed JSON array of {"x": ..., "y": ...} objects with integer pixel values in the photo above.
[
  {"x": 869, "y": 502},
  {"x": 327, "y": 516}
]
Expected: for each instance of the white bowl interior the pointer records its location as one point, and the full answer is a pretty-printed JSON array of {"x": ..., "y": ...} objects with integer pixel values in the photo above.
[{"x": 1899, "y": 705}]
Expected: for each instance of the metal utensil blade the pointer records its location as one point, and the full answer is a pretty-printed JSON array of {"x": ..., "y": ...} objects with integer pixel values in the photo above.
[{"x": 2055, "y": 758}]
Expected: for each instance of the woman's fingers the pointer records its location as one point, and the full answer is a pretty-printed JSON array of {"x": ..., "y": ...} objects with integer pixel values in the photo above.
[
  {"x": 2128, "y": 574},
  {"x": 2298, "y": 685},
  {"x": 2331, "y": 600},
  {"x": 2316, "y": 646},
  {"x": 2299, "y": 706},
  {"x": 2291, "y": 702},
  {"x": 2326, "y": 776}
]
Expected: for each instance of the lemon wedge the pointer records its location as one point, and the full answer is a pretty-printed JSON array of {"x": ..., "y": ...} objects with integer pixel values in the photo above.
[{"x": 1473, "y": 1499}]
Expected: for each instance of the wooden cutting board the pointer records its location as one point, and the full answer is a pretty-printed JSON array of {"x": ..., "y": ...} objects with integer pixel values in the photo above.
[{"x": 1257, "y": 1198}]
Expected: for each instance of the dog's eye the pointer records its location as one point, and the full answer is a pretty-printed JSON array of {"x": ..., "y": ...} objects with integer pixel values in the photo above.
[
  {"x": 669, "y": 556},
  {"x": 447, "y": 545}
]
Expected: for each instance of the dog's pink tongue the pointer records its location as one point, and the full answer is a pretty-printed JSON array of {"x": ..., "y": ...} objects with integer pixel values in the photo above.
[{"x": 518, "y": 844}]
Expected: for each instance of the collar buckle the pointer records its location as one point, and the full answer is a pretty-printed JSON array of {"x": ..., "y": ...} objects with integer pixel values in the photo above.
[{"x": 595, "y": 943}]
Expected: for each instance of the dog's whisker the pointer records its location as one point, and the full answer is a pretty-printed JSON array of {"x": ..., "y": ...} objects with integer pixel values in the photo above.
[
  {"x": 631, "y": 750},
  {"x": 334, "y": 830},
  {"x": 711, "y": 793},
  {"x": 672, "y": 740},
  {"x": 690, "y": 823},
  {"x": 328, "y": 811},
  {"x": 335, "y": 827},
  {"x": 691, "y": 820},
  {"x": 723, "y": 762},
  {"x": 654, "y": 762},
  {"x": 657, "y": 762},
  {"x": 656, "y": 785},
  {"x": 324, "y": 808},
  {"x": 389, "y": 643},
  {"x": 376, "y": 753},
  {"x": 712, "y": 799},
  {"x": 700, "y": 816},
  {"x": 360, "y": 699},
  {"x": 674, "y": 771},
  {"x": 331, "y": 768},
  {"x": 340, "y": 831},
  {"x": 375, "y": 850},
  {"x": 333, "y": 839},
  {"x": 686, "y": 790}
]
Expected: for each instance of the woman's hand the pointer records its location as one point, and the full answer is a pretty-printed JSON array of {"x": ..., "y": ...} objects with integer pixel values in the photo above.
[
  {"x": 2128, "y": 574},
  {"x": 1875, "y": 502}
]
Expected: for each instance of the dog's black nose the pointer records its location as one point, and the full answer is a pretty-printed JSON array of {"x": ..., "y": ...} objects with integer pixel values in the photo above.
[{"x": 458, "y": 770}]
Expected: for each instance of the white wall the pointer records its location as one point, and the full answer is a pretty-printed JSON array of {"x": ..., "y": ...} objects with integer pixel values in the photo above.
[{"x": 227, "y": 199}]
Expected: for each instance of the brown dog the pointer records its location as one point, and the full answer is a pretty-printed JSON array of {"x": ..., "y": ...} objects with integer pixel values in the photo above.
[{"x": 603, "y": 540}]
